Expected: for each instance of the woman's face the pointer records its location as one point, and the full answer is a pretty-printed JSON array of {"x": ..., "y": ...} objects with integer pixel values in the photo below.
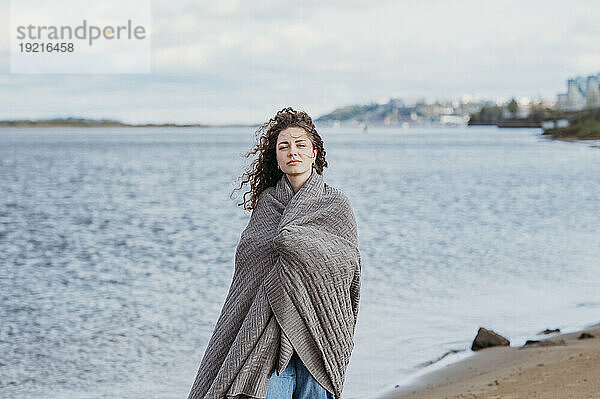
[{"x": 293, "y": 144}]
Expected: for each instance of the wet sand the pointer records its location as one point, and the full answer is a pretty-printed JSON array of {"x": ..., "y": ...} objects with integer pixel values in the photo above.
[{"x": 565, "y": 370}]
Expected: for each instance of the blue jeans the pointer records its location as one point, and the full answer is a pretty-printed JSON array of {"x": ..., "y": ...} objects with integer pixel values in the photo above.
[{"x": 296, "y": 382}]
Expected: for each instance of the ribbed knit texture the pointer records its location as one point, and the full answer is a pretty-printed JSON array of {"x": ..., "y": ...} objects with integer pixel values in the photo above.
[{"x": 296, "y": 287}]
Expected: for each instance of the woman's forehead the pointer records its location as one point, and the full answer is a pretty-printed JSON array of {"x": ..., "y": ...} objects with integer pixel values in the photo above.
[{"x": 293, "y": 132}]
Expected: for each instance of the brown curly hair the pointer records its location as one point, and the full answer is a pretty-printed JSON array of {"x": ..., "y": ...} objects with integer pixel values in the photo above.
[{"x": 263, "y": 171}]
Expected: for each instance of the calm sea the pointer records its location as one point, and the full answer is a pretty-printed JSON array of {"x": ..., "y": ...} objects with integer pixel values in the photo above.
[{"x": 117, "y": 249}]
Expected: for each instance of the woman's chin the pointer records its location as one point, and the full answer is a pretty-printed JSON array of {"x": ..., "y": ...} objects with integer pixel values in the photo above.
[{"x": 296, "y": 169}]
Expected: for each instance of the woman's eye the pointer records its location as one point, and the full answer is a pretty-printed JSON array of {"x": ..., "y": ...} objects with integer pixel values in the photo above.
[{"x": 301, "y": 145}]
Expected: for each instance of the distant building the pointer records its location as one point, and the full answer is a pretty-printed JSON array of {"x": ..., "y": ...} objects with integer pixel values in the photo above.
[
  {"x": 593, "y": 92},
  {"x": 581, "y": 93},
  {"x": 454, "y": 119}
]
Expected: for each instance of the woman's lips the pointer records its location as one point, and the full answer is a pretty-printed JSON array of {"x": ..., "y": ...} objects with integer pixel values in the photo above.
[{"x": 293, "y": 162}]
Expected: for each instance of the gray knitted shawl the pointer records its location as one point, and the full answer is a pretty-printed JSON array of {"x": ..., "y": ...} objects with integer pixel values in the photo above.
[{"x": 296, "y": 287}]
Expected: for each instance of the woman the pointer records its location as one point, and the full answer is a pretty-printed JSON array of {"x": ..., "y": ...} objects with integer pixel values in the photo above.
[{"x": 287, "y": 326}]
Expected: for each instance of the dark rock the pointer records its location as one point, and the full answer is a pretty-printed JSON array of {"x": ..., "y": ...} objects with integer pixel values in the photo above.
[
  {"x": 487, "y": 338},
  {"x": 531, "y": 342},
  {"x": 585, "y": 335},
  {"x": 545, "y": 342},
  {"x": 548, "y": 331}
]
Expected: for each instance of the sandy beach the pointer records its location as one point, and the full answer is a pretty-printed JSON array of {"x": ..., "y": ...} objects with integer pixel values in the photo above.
[{"x": 566, "y": 366}]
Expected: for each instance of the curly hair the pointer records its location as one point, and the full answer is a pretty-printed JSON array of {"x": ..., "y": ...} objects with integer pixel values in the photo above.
[{"x": 263, "y": 170}]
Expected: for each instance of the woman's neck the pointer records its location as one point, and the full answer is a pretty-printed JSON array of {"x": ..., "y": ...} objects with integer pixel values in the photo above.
[{"x": 298, "y": 180}]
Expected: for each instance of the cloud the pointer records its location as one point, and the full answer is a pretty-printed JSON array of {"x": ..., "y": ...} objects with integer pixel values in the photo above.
[{"x": 236, "y": 61}]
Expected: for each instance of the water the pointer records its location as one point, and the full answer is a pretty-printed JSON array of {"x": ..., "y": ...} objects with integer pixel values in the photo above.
[{"x": 117, "y": 249}]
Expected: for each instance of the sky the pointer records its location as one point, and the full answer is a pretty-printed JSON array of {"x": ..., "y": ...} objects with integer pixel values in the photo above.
[{"x": 230, "y": 61}]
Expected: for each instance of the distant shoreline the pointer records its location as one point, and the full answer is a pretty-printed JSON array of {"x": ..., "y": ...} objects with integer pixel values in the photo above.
[
  {"x": 584, "y": 126},
  {"x": 82, "y": 122}
]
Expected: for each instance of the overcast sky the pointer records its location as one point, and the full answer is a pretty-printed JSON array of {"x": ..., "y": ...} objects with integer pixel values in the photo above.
[{"x": 230, "y": 61}]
